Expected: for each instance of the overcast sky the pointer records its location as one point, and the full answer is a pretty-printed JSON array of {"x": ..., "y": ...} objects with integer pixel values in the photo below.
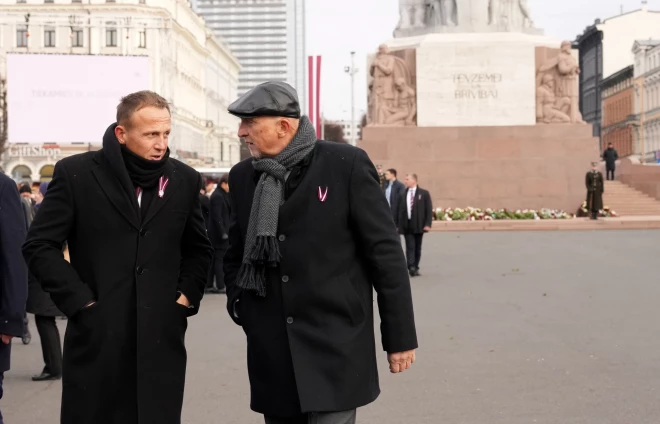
[{"x": 337, "y": 27}]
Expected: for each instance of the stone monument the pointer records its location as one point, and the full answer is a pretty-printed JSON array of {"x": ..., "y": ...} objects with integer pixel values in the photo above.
[{"x": 481, "y": 105}]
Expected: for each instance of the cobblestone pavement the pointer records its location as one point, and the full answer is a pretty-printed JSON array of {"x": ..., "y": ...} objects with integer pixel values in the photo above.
[{"x": 514, "y": 328}]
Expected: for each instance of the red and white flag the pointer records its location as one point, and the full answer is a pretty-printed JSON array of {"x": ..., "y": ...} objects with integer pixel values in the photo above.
[{"x": 314, "y": 95}]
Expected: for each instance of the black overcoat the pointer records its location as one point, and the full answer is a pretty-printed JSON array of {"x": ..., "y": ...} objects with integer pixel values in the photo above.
[
  {"x": 13, "y": 273},
  {"x": 219, "y": 220},
  {"x": 310, "y": 341},
  {"x": 421, "y": 214},
  {"x": 124, "y": 357},
  {"x": 397, "y": 195}
]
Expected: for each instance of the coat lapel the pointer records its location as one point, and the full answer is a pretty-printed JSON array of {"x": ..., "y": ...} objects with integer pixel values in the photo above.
[
  {"x": 115, "y": 192},
  {"x": 174, "y": 181}
]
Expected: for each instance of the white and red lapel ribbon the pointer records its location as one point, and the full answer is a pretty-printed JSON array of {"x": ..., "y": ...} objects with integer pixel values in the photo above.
[{"x": 162, "y": 185}]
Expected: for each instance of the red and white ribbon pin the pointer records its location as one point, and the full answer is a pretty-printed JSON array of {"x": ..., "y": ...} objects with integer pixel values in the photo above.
[
  {"x": 162, "y": 185},
  {"x": 323, "y": 194}
]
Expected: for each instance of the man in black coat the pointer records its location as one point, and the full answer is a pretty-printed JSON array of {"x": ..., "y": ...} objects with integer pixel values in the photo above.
[
  {"x": 311, "y": 237},
  {"x": 394, "y": 193},
  {"x": 219, "y": 229},
  {"x": 139, "y": 262},
  {"x": 610, "y": 156},
  {"x": 415, "y": 219},
  {"x": 13, "y": 273}
]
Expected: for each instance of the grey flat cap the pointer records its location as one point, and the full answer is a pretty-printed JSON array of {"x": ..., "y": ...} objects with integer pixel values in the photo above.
[{"x": 267, "y": 99}]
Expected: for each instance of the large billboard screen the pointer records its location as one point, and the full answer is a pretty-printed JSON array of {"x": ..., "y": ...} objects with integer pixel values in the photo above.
[{"x": 68, "y": 98}]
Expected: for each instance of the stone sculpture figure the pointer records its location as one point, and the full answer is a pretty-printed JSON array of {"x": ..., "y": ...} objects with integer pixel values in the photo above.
[
  {"x": 549, "y": 108},
  {"x": 403, "y": 112},
  {"x": 411, "y": 14},
  {"x": 386, "y": 71},
  {"x": 514, "y": 14},
  {"x": 564, "y": 69},
  {"x": 442, "y": 12}
]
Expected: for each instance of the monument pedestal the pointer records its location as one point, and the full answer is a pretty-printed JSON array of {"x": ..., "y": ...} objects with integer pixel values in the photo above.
[{"x": 514, "y": 167}]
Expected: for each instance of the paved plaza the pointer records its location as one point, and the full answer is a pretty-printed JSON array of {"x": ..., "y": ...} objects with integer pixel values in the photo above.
[{"x": 514, "y": 328}]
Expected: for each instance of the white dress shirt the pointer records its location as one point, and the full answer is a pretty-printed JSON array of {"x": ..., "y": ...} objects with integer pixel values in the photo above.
[{"x": 410, "y": 200}]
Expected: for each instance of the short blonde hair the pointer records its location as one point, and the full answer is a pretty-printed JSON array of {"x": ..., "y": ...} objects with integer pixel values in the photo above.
[{"x": 135, "y": 101}]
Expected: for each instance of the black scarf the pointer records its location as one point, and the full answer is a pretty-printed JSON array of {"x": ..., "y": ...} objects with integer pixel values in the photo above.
[
  {"x": 143, "y": 173},
  {"x": 128, "y": 167}
]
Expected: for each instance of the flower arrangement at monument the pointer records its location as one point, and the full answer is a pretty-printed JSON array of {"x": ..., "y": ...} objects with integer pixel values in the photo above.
[
  {"x": 606, "y": 212},
  {"x": 477, "y": 214}
]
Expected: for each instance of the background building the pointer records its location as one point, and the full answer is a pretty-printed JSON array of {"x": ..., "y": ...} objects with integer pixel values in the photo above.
[
  {"x": 646, "y": 137},
  {"x": 348, "y": 129},
  {"x": 267, "y": 37},
  {"x": 604, "y": 50},
  {"x": 618, "y": 96},
  {"x": 184, "y": 62}
]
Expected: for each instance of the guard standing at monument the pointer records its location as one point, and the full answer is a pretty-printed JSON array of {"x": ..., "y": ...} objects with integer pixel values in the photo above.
[
  {"x": 595, "y": 189},
  {"x": 311, "y": 237},
  {"x": 139, "y": 263}
]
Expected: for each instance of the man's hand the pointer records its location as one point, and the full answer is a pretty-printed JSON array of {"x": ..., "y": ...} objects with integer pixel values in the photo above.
[
  {"x": 427, "y": 229},
  {"x": 5, "y": 338},
  {"x": 401, "y": 361},
  {"x": 183, "y": 300}
]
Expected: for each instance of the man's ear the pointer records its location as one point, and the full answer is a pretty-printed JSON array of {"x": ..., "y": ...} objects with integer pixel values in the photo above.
[
  {"x": 120, "y": 133},
  {"x": 283, "y": 127}
]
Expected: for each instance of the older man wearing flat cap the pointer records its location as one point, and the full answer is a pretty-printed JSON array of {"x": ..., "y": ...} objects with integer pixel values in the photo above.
[{"x": 311, "y": 236}]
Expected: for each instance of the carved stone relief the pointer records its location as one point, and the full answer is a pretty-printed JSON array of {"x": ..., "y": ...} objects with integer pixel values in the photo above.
[
  {"x": 557, "y": 93},
  {"x": 392, "y": 98}
]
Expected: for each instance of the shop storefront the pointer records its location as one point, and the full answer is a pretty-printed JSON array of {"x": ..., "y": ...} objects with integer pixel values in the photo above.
[{"x": 34, "y": 164}]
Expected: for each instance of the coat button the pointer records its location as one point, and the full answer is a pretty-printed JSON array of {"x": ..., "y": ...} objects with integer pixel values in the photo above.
[
  {"x": 289, "y": 320},
  {"x": 282, "y": 237},
  {"x": 140, "y": 270},
  {"x": 285, "y": 279},
  {"x": 143, "y": 232}
]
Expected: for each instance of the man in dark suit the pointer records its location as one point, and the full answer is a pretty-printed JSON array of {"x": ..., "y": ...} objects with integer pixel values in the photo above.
[
  {"x": 610, "y": 156},
  {"x": 13, "y": 273},
  {"x": 219, "y": 229},
  {"x": 311, "y": 237},
  {"x": 139, "y": 262},
  {"x": 394, "y": 193},
  {"x": 415, "y": 219}
]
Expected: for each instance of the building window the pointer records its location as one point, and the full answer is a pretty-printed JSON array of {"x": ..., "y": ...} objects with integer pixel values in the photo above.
[
  {"x": 76, "y": 1},
  {"x": 111, "y": 37},
  {"x": 77, "y": 38},
  {"x": 142, "y": 39},
  {"x": 49, "y": 37},
  {"x": 21, "y": 36},
  {"x": 143, "y": 1},
  {"x": 48, "y": 1},
  {"x": 20, "y": 1}
]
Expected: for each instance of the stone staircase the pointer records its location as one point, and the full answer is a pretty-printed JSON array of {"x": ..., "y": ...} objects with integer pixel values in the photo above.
[{"x": 626, "y": 201}]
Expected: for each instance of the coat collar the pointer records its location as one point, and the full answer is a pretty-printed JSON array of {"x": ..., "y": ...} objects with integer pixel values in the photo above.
[{"x": 125, "y": 205}]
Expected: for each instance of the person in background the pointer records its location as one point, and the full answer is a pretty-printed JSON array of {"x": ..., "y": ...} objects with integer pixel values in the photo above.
[
  {"x": 394, "y": 193},
  {"x": 29, "y": 208},
  {"x": 311, "y": 236},
  {"x": 381, "y": 176},
  {"x": 39, "y": 195},
  {"x": 219, "y": 230},
  {"x": 610, "y": 156},
  {"x": 210, "y": 188},
  {"x": 595, "y": 189},
  {"x": 415, "y": 219},
  {"x": 40, "y": 304},
  {"x": 205, "y": 203},
  {"x": 13, "y": 273}
]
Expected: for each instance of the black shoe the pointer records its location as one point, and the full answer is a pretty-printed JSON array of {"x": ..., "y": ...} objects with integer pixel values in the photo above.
[
  {"x": 416, "y": 273},
  {"x": 211, "y": 290},
  {"x": 44, "y": 376},
  {"x": 27, "y": 337},
  {"x": 221, "y": 291}
]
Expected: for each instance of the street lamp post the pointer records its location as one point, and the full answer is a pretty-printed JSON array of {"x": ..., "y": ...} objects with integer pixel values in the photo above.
[{"x": 351, "y": 71}]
